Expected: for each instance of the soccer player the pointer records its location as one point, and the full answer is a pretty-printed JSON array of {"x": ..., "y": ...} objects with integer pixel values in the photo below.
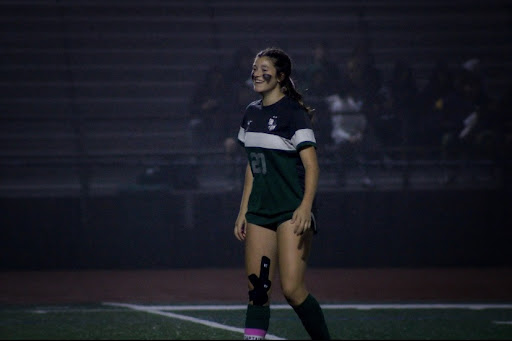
[{"x": 276, "y": 218}]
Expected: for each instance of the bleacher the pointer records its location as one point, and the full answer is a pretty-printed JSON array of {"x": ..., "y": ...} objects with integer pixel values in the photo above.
[{"x": 98, "y": 90}]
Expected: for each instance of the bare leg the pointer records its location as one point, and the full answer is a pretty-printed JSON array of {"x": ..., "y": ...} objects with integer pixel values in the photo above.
[
  {"x": 260, "y": 242},
  {"x": 293, "y": 253},
  {"x": 293, "y": 256}
]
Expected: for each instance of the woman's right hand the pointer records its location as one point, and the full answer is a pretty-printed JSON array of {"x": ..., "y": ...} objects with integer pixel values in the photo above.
[{"x": 240, "y": 226}]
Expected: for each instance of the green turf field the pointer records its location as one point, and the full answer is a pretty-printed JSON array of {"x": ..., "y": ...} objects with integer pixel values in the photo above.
[{"x": 220, "y": 322}]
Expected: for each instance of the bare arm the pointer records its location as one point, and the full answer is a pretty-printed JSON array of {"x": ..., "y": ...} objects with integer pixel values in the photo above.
[
  {"x": 241, "y": 223},
  {"x": 302, "y": 215}
]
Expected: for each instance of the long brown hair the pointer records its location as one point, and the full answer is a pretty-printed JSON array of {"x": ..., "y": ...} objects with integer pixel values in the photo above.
[{"x": 283, "y": 64}]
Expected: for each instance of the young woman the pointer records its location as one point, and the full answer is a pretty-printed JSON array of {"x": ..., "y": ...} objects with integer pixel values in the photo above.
[{"x": 276, "y": 219}]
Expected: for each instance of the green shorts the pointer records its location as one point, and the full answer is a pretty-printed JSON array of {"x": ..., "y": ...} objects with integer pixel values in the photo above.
[{"x": 274, "y": 222}]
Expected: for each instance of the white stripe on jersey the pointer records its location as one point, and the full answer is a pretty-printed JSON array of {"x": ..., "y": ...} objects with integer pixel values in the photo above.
[
  {"x": 241, "y": 135},
  {"x": 276, "y": 142},
  {"x": 303, "y": 135},
  {"x": 268, "y": 141}
]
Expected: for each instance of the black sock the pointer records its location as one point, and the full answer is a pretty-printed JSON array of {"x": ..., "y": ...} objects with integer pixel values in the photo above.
[
  {"x": 312, "y": 317},
  {"x": 257, "y": 320}
]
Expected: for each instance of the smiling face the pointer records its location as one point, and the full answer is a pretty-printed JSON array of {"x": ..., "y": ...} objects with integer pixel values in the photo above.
[{"x": 264, "y": 78}]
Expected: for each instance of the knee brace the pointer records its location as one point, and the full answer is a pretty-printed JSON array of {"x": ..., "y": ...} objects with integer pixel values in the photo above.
[{"x": 261, "y": 284}]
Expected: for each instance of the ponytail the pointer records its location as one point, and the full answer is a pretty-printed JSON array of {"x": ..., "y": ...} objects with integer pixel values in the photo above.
[{"x": 289, "y": 90}]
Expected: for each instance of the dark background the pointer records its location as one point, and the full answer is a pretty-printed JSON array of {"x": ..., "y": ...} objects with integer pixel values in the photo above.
[
  {"x": 357, "y": 229},
  {"x": 93, "y": 94}
]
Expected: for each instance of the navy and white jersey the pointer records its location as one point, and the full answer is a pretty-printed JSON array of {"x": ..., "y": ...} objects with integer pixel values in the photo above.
[{"x": 273, "y": 137}]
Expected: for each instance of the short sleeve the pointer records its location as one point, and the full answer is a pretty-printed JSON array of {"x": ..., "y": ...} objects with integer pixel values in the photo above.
[
  {"x": 303, "y": 135},
  {"x": 243, "y": 127}
]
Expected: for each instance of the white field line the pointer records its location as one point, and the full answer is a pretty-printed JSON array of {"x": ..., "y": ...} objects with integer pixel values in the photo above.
[
  {"x": 73, "y": 310},
  {"x": 503, "y": 322},
  {"x": 158, "y": 311},
  {"x": 213, "y": 307}
]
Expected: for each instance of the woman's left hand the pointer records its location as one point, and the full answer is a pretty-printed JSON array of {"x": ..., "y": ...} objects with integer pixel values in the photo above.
[{"x": 301, "y": 220}]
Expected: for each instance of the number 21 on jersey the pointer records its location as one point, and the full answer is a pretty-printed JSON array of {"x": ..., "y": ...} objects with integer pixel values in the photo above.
[{"x": 258, "y": 163}]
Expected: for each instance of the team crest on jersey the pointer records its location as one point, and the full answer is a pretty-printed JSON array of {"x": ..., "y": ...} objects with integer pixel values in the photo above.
[{"x": 272, "y": 123}]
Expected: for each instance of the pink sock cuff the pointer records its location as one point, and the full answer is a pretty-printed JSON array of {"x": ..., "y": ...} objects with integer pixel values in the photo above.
[{"x": 255, "y": 332}]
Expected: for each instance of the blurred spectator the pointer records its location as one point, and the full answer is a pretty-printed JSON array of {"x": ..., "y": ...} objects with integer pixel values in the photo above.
[
  {"x": 362, "y": 78},
  {"x": 488, "y": 135},
  {"x": 208, "y": 119},
  {"x": 238, "y": 71},
  {"x": 322, "y": 67},
  {"x": 488, "y": 130},
  {"x": 505, "y": 125},
  {"x": 316, "y": 96},
  {"x": 459, "y": 114},
  {"x": 463, "y": 115},
  {"x": 322, "y": 78},
  {"x": 206, "y": 122},
  {"x": 397, "y": 121},
  {"x": 432, "y": 98},
  {"x": 239, "y": 93},
  {"x": 353, "y": 111},
  {"x": 493, "y": 129},
  {"x": 237, "y": 74}
]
